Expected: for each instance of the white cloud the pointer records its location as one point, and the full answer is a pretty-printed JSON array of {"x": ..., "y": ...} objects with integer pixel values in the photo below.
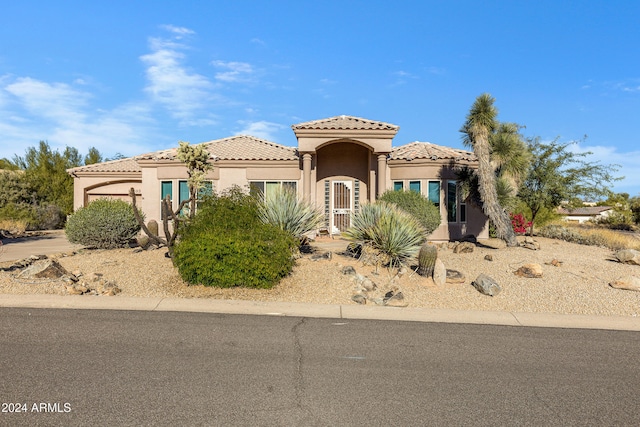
[
  {"x": 170, "y": 83},
  {"x": 627, "y": 163},
  {"x": 236, "y": 71},
  {"x": 261, "y": 129},
  {"x": 61, "y": 114},
  {"x": 179, "y": 31},
  {"x": 56, "y": 101}
]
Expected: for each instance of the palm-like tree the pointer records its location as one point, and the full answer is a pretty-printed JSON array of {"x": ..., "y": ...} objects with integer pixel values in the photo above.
[{"x": 480, "y": 126}]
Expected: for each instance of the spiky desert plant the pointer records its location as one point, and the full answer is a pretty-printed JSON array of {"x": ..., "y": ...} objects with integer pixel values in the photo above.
[
  {"x": 283, "y": 209},
  {"x": 388, "y": 229},
  {"x": 427, "y": 260}
]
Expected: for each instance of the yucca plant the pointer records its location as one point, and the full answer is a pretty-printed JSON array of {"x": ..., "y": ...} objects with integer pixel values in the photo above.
[
  {"x": 283, "y": 209},
  {"x": 388, "y": 229}
]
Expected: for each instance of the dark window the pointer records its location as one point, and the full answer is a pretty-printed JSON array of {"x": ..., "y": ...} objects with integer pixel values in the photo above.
[{"x": 434, "y": 192}]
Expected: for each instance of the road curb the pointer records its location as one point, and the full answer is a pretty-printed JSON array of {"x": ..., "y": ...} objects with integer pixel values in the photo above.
[{"x": 291, "y": 309}]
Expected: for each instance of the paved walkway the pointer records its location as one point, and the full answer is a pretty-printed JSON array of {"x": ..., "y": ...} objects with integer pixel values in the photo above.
[{"x": 55, "y": 242}]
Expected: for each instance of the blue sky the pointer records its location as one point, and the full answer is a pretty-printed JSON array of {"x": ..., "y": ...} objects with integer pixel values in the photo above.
[{"x": 132, "y": 77}]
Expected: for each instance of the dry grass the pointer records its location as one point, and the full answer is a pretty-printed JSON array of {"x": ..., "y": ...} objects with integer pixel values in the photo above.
[
  {"x": 14, "y": 227},
  {"x": 591, "y": 234}
]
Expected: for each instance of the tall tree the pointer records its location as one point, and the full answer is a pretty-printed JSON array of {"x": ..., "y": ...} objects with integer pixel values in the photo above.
[
  {"x": 6, "y": 164},
  {"x": 481, "y": 123},
  {"x": 46, "y": 172},
  {"x": 557, "y": 175},
  {"x": 93, "y": 156}
]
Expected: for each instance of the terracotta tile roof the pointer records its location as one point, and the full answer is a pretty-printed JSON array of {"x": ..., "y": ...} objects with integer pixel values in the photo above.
[
  {"x": 585, "y": 211},
  {"x": 427, "y": 150},
  {"x": 241, "y": 147},
  {"x": 345, "y": 122},
  {"x": 128, "y": 164}
]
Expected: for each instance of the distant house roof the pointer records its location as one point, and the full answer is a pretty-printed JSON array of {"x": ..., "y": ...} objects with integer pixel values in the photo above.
[
  {"x": 584, "y": 211},
  {"x": 128, "y": 164},
  {"x": 427, "y": 150},
  {"x": 345, "y": 123}
]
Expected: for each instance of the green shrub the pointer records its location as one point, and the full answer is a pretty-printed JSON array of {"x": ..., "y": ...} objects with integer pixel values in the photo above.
[
  {"x": 23, "y": 213},
  {"x": 286, "y": 211},
  {"x": 417, "y": 205},
  {"x": 227, "y": 245},
  {"x": 103, "y": 224},
  {"x": 388, "y": 229},
  {"x": 49, "y": 217}
]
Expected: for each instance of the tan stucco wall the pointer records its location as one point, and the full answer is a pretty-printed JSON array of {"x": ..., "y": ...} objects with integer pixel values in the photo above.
[{"x": 90, "y": 187}]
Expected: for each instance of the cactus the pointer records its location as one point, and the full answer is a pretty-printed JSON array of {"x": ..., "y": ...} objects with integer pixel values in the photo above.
[
  {"x": 427, "y": 260},
  {"x": 153, "y": 227}
]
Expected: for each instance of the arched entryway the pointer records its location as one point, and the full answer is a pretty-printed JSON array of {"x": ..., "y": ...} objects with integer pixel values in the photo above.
[
  {"x": 342, "y": 181},
  {"x": 343, "y": 160}
]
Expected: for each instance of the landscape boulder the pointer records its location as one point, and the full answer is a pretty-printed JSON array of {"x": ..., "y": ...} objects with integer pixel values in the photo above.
[
  {"x": 464, "y": 248},
  {"x": 530, "y": 243},
  {"x": 486, "y": 285},
  {"x": 530, "y": 270},
  {"x": 44, "y": 269},
  {"x": 359, "y": 299},
  {"x": 348, "y": 270},
  {"x": 628, "y": 256},
  {"x": 321, "y": 256},
  {"x": 394, "y": 299},
  {"x": 454, "y": 276},
  {"x": 439, "y": 273},
  {"x": 628, "y": 283}
]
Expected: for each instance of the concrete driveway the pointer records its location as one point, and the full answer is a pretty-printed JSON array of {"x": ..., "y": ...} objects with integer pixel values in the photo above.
[{"x": 49, "y": 242}]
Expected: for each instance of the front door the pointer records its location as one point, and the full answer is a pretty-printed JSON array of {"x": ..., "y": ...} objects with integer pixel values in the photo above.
[{"x": 342, "y": 203}]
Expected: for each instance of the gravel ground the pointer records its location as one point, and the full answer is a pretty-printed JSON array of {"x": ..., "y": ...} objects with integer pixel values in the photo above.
[{"x": 578, "y": 286}]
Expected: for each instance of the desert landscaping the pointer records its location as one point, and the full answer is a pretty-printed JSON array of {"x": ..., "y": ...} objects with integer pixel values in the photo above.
[{"x": 573, "y": 279}]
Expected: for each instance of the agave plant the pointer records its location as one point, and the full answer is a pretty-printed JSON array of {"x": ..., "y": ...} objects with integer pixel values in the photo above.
[
  {"x": 286, "y": 211},
  {"x": 387, "y": 229}
]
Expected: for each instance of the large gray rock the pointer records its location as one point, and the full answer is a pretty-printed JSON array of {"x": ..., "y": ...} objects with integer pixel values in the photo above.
[
  {"x": 628, "y": 256},
  {"x": 486, "y": 285},
  {"x": 628, "y": 283},
  {"x": 44, "y": 269}
]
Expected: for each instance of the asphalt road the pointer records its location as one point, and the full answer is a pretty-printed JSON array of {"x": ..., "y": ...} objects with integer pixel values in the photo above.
[{"x": 93, "y": 367}]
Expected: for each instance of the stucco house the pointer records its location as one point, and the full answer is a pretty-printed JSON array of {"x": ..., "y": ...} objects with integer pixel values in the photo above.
[
  {"x": 584, "y": 214},
  {"x": 339, "y": 164}
]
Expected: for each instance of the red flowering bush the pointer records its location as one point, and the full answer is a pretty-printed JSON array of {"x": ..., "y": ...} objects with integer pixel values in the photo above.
[{"x": 519, "y": 223}]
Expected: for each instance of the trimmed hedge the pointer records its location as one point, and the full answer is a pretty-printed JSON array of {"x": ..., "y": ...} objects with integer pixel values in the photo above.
[
  {"x": 103, "y": 224},
  {"x": 227, "y": 245}
]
